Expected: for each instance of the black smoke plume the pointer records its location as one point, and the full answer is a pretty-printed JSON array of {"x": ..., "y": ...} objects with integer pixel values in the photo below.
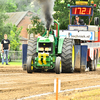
[{"x": 47, "y": 10}]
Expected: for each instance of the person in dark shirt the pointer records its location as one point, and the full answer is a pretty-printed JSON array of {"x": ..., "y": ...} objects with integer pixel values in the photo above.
[
  {"x": 78, "y": 21},
  {"x": 5, "y": 47}
]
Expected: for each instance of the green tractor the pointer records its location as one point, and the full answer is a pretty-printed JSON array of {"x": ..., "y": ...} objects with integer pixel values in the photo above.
[
  {"x": 50, "y": 52},
  {"x": 68, "y": 50}
]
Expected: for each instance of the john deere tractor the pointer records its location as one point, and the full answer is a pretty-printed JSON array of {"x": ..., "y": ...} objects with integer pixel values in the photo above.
[
  {"x": 75, "y": 49},
  {"x": 50, "y": 52}
]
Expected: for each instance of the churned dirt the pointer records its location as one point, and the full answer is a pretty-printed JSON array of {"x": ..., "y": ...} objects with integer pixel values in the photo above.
[{"x": 16, "y": 83}]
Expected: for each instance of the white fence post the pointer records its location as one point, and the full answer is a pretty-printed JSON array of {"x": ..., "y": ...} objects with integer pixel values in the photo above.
[{"x": 59, "y": 85}]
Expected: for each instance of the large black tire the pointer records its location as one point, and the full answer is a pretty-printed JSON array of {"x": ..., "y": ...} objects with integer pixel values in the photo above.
[
  {"x": 58, "y": 65},
  {"x": 90, "y": 64},
  {"x": 68, "y": 48},
  {"x": 29, "y": 62},
  {"x": 31, "y": 53},
  {"x": 31, "y": 50}
]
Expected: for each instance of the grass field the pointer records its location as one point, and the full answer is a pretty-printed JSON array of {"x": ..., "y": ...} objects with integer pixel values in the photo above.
[
  {"x": 13, "y": 63},
  {"x": 20, "y": 63},
  {"x": 86, "y": 95},
  {"x": 98, "y": 65}
]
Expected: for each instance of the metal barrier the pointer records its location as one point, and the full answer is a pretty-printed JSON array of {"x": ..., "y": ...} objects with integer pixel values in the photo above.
[{"x": 14, "y": 55}]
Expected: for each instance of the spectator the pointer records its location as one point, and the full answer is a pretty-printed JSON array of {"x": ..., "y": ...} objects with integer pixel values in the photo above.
[{"x": 5, "y": 47}]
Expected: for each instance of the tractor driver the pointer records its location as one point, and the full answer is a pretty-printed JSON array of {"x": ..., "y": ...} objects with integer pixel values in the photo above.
[{"x": 78, "y": 21}]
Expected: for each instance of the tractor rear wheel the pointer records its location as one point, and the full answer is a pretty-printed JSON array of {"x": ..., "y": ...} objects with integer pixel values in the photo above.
[
  {"x": 68, "y": 55},
  {"x": 31, "y": 53},
  {"x": 31, "y": 50},
  {"x": 58, "y": 65}
]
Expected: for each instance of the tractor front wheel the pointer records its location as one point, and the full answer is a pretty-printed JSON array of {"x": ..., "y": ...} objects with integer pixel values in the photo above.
[
  {"x": 29, "y": 64},
  {"x": 58, "y": 65}
]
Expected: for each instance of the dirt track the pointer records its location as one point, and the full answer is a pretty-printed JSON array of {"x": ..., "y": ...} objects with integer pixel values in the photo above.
[{"x": 16, "y": 83}]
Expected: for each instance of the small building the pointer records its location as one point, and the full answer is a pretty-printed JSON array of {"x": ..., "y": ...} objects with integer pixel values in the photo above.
[{"x": 21, "y": 19}]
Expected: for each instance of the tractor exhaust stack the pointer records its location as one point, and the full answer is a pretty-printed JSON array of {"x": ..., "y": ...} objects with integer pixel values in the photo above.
[{"x": 47, "y": 33}]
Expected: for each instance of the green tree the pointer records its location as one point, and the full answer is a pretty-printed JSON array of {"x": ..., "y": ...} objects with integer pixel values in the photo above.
[
  {"x": 37, "y": 26},
  {"x": 14, "y": 38},
  {"x": 62, "y": 12},
  {"x": 13, "y": 35},
  {"x": 7, "y": 6},
  {"x": 2, "y": 5},
  {"x": 10, "y": 6},
  {"x": 4, "y": 29},
  {"x": 96, "y": 11},
  {"x": 3, "y": 17},
  {"x": 11, "y": 30},
  {"x": 15, "y": 5},
  {"x": 23, "y": 5}
]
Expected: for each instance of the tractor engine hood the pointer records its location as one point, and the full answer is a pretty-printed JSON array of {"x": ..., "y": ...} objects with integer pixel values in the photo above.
[{"x": 46, "y": 39}]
